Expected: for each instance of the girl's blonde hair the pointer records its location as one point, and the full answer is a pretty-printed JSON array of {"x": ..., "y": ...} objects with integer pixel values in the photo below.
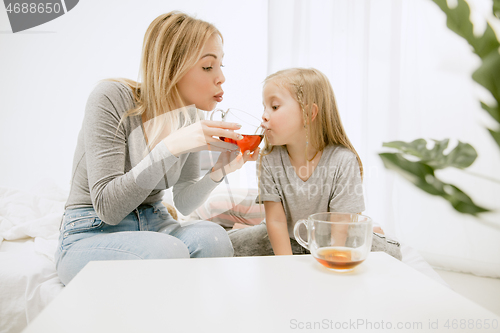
[
  {"x": 172, "y": 45},
  {"x": 309, "y": 86}
]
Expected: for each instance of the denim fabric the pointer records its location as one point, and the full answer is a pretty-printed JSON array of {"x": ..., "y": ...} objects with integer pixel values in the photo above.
[{"x": 148, "y": 232}]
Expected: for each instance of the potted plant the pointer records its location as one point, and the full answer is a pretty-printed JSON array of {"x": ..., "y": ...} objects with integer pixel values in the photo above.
[{"x": 418, "y": 163}]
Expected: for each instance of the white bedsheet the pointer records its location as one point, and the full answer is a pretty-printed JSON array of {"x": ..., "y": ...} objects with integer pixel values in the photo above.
[
  {"x": 29, "y": 228},
  {"x": 29, "y": 282}
]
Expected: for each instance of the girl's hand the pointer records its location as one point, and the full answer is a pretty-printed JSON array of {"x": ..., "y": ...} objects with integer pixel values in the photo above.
[
  {"x": 230, "y": 162},
  {"x": 200, "y": 136}
]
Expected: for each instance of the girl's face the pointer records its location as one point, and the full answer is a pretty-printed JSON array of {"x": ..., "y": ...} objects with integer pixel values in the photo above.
[
  {"x": 282, "y": 116},
  {"x": 202, "y": 84}
]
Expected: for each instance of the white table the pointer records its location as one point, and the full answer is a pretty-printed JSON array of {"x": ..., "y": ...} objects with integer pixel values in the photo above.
[{"x": 257, "y": 294}]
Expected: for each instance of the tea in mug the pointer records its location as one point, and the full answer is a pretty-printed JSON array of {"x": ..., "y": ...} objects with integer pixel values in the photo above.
[
  {"x": 340, "y": 258},
  {"x": 249, "y": 141}
]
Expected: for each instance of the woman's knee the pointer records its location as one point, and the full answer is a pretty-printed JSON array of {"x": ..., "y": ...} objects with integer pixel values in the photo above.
[
  {"x": 133, "y": 245},
  {"x": 156, "y": 245},
  {"x": 207, "y": 239}
]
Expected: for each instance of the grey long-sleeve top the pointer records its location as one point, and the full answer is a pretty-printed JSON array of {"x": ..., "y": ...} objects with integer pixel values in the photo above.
[{"x": 109, "y": 173}]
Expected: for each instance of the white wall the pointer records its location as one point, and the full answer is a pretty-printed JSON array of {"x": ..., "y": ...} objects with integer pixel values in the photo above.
[{"x": 47, "y": 72}]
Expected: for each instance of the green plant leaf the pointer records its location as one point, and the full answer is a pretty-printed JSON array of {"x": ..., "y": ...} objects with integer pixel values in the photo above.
[
  {"x": 414, "y": 148},
  {"x": 461, "y": 201},
  {"x": 462, "y": 156},
  {"x": 487, "y": 43},
  {"x": 435, "y": 157},
  {"x": 493, "y": 111},
  {"x": 495, "y": 135},
  {"x": 496, "y": 8},
  {"x": 415, "y": 172},
  {"x": 421, "y": 171},
  {"x": 488, "y": 74},
  {"x": 458, "y": 20},
  {"x": 422, "y": 176}
]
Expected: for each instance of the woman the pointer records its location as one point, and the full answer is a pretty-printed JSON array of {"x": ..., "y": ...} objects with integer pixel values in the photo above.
[{"x": 140, "y": 138}]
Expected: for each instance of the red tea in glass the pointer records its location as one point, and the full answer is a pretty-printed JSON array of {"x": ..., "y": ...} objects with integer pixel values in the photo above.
[
  {"x": 338, "y": 258},
  {"x": 249, "y": 141}
]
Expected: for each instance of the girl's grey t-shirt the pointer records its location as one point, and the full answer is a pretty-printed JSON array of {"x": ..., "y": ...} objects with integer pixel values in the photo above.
[
  {"x": 334, "y": 186},
  {"x": 112, "y": 171}
]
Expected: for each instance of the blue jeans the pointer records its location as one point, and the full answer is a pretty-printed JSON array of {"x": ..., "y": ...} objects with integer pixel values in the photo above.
[{"x": 148, "y": 232}]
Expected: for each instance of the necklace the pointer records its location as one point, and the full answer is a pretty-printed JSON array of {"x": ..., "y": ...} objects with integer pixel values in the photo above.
[
  {"x": 313, "y": 156},
  {"x": 308, "y": 160}
]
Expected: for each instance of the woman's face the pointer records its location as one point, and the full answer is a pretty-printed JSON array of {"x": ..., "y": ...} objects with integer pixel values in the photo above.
[
  {"x": 202, "y": 84},
  {"x": 282, "y": 116}
]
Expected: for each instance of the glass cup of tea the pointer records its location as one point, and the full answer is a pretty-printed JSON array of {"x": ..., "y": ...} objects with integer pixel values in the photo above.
[
  {"x": 251, "y": 129},
  {"x": 339, "y": 241}
]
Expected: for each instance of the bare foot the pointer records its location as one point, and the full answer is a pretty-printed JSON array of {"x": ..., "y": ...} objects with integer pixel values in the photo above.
[{"x": 239, "y": 226}]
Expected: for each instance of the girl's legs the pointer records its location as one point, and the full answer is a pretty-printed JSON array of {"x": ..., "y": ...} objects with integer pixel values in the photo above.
[
  {"x": 389, "y": 246},
  {"x": 251, "y": 241},
  {"x": 254, "y": 241}
]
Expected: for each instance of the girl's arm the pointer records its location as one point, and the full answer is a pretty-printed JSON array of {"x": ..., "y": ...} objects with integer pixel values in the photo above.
[
  {"x": 347, "y": 190},
  {"x": 277, "y": 228}
]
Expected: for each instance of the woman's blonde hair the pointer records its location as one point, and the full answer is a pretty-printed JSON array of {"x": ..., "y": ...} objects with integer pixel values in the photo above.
[
  {"x": 309, "y": 86},
  {"x": 172, "y": 45}
]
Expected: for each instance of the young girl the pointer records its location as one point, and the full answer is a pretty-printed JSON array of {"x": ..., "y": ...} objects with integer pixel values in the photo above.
[
  {"x": 140, "y": 138},
  {"x": 308, "y": 164}
]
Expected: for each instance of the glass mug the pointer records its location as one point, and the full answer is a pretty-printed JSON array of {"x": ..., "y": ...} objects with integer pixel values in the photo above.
[
  {"x": 339, "y": 241},
  {"x": 251, "y": 129}
]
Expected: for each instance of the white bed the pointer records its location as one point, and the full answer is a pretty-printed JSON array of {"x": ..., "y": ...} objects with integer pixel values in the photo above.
[
  {"x": 29, "y": 228},
  {"x": 29, "y": 223}
]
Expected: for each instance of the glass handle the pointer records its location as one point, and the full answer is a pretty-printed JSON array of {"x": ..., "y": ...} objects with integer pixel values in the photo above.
[
  {"x": 296, "y": 233},
  {"x": 215, "y": 111}
]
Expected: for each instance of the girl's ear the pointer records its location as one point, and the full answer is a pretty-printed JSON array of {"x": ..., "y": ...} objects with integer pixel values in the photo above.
[{"x": 314, "y": 111}]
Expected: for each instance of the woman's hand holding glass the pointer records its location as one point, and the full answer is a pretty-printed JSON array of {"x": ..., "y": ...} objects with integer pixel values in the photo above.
[
  {"x": 200, "y": 136},
  {"x": 252, "y": 135},
  {"x": 231, "y": 161}
]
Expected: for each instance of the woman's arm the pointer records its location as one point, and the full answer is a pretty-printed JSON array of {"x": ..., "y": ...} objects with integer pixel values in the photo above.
[
  {"x": 189, "y": 192},
  {"x": 115, "y": 193},
  {"x": 277, "y": 228}
]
